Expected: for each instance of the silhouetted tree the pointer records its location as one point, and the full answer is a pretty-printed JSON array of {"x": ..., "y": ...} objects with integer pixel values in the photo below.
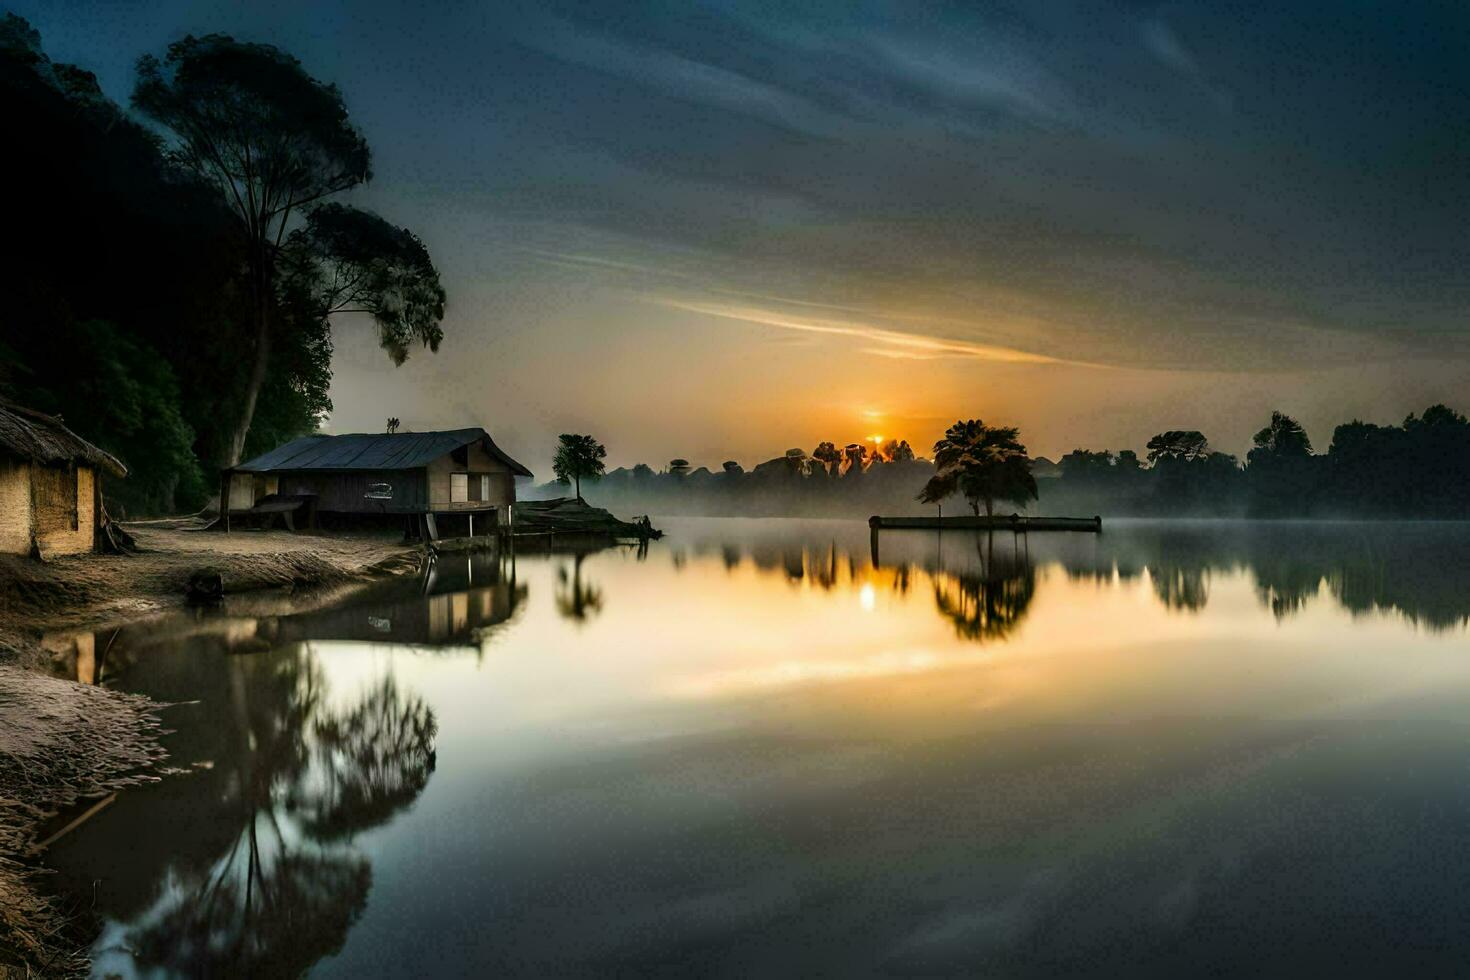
[
  {"x": 828, "y": 455},
  {"x": 275, "y": 142},
  {"x": 1282, "y": 475},
  {"x": 982, "y": 462},
  {"x": 1178, "y": 444},
  {"x": 577, "y": 458},
  {"x": 1283, "y": 438}
]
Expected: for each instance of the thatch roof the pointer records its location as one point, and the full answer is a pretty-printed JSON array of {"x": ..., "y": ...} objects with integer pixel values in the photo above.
[
  {"x": 373, "y": 452},
  {"x": 43, "y": 439}
]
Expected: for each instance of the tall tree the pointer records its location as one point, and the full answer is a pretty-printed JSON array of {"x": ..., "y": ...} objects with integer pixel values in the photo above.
[
  {"x": 276, "y": 142},
  {"x": 1284, "y": 438},
  {"x": 985, "y": 463},
  {"x": 578, "y": 458}
]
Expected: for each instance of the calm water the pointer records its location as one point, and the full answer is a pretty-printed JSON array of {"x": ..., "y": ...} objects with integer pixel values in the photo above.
[{"x": 752, "y": 751}]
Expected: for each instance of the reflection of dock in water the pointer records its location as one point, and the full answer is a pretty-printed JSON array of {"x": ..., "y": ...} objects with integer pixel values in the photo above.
[{"x": 1011, "y": 522}]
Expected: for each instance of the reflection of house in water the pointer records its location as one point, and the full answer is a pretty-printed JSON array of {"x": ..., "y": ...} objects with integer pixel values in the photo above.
[{"x": 461, "y": 599}]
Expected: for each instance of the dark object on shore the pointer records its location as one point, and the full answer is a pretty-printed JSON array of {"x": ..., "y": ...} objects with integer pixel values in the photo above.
[
  {"x": 568, "y": 515},
  {"x": 205, "y": 587},
  {"x": 1009, "y": 522}
]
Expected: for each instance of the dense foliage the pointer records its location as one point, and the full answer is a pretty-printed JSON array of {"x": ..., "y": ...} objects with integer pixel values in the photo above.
[
  {"x": 1419, "y": 469},
  {"x": 982, "y": 463},
  {"x": 131, "y": 301}
]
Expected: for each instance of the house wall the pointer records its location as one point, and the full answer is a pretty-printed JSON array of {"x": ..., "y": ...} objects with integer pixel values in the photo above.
[
  {"x": 15, "y": 507},
  {"x": 476, "y": 462},
  {"x": 63, "y": 509},
  {"x": 360, "y": 491},
  {"x": 242, "y": 491}
]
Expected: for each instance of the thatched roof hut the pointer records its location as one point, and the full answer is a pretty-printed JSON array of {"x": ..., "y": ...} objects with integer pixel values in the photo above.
[{"x": 50, "y": 497}]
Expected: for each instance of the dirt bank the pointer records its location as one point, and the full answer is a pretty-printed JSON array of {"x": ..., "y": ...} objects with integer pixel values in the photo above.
[
  {"x": 61, "y": 742},
  {"x": 79, "y": 590}
]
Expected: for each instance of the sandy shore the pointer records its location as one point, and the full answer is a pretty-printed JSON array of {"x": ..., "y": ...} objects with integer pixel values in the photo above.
[{"x": 61, "y": 742}]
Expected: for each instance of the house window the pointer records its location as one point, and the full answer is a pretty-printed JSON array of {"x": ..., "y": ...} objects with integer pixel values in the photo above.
[
  {"x": 484, "y": 488},
  {"x": 459, "y": 488}
]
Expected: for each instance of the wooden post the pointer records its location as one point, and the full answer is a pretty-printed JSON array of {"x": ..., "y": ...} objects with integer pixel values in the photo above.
[{"x": 224, "y": 501}]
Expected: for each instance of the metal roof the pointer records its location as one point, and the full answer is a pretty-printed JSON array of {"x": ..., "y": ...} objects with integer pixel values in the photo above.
[{"x": 373, "y": 451}]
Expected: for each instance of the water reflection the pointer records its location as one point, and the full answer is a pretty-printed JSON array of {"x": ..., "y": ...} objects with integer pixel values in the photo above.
[
  {"x": 577, "y": 599},
  {"x": 245, "y": 864},
  {"x": 1417, "y": 570},
  {"x": 977, "y": 755},
  {"x": 989, "y": 602}
]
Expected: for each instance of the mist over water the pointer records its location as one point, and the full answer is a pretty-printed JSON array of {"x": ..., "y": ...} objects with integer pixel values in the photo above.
[{"x": 758, "y": 748}]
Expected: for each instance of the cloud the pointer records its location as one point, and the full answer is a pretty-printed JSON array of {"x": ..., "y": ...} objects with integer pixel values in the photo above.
[
  {"x": 1166, "y": 46},
  {"x": 995, "y": 76},
  {"x": 892, "y": 343},
  {"x": 697, "y": 81}
]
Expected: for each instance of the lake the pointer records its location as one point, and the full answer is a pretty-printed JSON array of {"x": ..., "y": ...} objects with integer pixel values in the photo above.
[{"x": 753, "y": 750}]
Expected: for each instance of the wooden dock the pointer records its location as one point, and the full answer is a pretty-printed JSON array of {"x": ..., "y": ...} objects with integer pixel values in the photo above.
[{"x": 1009, "y": 522}]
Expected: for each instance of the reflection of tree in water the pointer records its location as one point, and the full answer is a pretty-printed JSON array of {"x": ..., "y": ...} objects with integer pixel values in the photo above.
[
  {"x": 1181, "y": 588},
  {"x": 374, "y": 760},
  {"x": 293, "y": 908},
  {"x": 577, "y": 600},
  {"x": 990, "y": 603},
  {"x": 298, "y": 779}
]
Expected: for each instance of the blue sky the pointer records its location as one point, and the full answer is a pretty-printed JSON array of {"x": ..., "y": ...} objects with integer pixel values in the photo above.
[{"x": 724, "y": 229}]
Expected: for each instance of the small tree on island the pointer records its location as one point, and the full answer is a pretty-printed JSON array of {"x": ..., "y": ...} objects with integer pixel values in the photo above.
[
  {"x": 984, "y": 463},
  {"x": 578, "y": 458}
]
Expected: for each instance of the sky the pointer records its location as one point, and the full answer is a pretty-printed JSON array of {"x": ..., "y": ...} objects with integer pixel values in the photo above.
[{"x": 723, "y": 230}]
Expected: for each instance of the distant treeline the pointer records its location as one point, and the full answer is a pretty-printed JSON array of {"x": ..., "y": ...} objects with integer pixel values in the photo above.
[
  {"x": 829, "y": 482},
  {"x": 1420, "y": 469},
  {"x": 143, "y": 301}
]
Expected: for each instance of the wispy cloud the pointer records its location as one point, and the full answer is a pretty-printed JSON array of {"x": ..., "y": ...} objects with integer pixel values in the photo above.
[
  {"x": 890, "y": 343},
  {"x": 1161, "y": 41},
  {"x": 1166, "y": 46},
  {"x": 697, "y": 81}
]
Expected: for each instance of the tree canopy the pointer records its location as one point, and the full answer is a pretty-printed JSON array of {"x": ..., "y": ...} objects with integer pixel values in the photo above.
[
  {"x": 274, "y": 142},
  {"x": 984, "y": 463},
  {"x": 1183, "y": 445},
  {"x": 578, "y": 457}
]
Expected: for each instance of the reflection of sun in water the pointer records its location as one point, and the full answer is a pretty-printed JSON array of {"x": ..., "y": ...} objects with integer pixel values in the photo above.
[{"x": 868, "y": 596}]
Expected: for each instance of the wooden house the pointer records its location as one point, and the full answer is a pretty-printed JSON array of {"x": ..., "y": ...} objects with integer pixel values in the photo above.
[
  {"x": 50, "y": 486},
  {"x": 423, "y": 476}
]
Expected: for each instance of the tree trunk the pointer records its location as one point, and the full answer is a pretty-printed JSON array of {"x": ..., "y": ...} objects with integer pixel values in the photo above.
[
  {"x": 578, "y": 479},
  {"x": 258, "y": 367}
]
